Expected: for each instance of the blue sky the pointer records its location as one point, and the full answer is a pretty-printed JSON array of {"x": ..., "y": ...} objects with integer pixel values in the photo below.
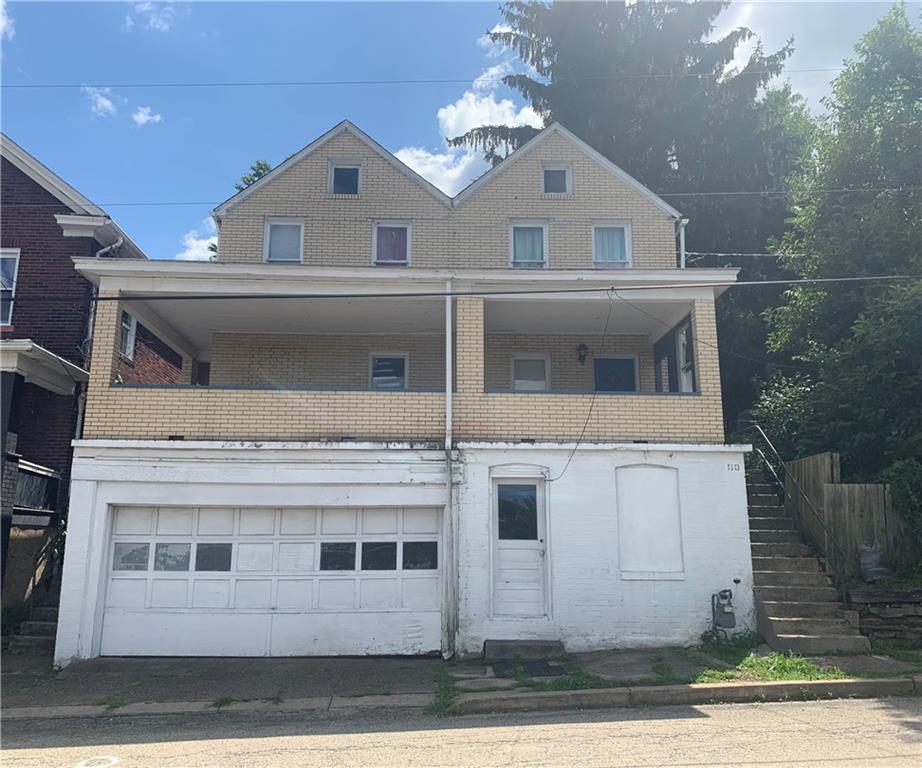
[{"x": 168, "y": 144}]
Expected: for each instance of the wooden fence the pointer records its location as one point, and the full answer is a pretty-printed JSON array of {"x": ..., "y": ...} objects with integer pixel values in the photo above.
[{"x": 851, "y": 513}]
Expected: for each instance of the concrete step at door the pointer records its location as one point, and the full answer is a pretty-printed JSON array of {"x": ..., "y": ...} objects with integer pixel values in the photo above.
[
  {"x": 761, "y": 488},
  {"x": 771, "y": 524},
  {"x": 808, "y": 610},
  {"x": 789, "y": 579},
  {"x": 759, "y": 499},
  {"x": 822, "y": 644},
  {"x": 780, "y": 549},
  {"x": 44, "y": 628},
  {"x": 800, "y": 625},
  {"x": 774, "y": 537},
  {"x": 795, "y": 594},
  {"x": 22, "y": 644},
  {"x": 45, "y": 613},
  {"x": 804, "y": 564}
]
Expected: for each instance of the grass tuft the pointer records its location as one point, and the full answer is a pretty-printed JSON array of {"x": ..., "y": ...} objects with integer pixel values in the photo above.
[
  {"x": 445, "y": 693},
  {"x": 224, "y": 701}
]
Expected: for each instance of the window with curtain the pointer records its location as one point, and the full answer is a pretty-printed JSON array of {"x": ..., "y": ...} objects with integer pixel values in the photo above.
[
  {"x": 284, "y": 241},
  {"x": 611, "y": 247},
  {"x": 391, "y": 244},
  {"x": 528, "y": 247}
]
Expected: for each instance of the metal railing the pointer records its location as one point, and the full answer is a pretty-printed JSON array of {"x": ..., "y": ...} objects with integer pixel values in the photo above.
[{"x": 832, "y": 551}]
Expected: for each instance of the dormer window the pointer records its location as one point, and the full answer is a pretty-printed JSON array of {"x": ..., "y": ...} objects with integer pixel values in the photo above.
[
  {"x": 391, "y": 243},
  {"x": 557, "y": 180},
  {"x": 345, "y": 178}
]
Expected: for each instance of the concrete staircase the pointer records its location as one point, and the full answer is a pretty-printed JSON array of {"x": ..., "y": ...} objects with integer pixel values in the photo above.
[
  {"x": 38, "y": 634},
  {"x": 796, "y": 608}
]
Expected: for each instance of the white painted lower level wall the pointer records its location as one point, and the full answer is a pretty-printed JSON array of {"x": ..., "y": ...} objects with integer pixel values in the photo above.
[
  {"x": 615, "y": 577},
  {"x": 636, "y": 539}
]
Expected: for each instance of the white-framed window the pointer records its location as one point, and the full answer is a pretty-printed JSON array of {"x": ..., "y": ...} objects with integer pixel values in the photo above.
[
  {"x": 556, "y": 180},
  {"x": 611, "y": 245},
  {"x": 129, "y": 336},
  {"x": 283, "y": 240},
  {"x": 390, "y": 243},
  {"x": 531, "y": 373},
  {"x": 9, "y": 268},
  {"x": 388, "y": 370},
  {"x": 345, "y": 178},
  {"x": 616, "y": 373},
  {"x": 685, "y": 358},
  {"x": 528, "y": 244}
]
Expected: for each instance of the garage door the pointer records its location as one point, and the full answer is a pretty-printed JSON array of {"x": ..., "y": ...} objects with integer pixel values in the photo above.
[{"x": 273, "y": 581}]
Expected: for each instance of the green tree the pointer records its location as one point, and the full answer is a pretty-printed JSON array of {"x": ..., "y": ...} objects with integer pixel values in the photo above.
[
  {"x": 645, "y": 85},
  {"x": 257, "y": 170},
  {"x": 864, "y": 340}
]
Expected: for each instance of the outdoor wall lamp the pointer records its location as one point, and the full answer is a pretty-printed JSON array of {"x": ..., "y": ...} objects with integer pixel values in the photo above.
[{"x": 581, "y": 351}]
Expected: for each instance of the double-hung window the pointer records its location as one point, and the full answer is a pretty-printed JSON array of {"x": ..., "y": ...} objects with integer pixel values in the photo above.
[
  {"x": 530, "y": 373},
  {"x": 129, "y": 336},
  {"x": 611, "y": 245},
  {"x": 388, "y": 371},
  {"x": 391, "y": 243},
  {"x": 556, "y": 180},
  {"x": 9, "y": 266},
  {"x": 284, "y": 240},
  {"x": 528, "y": 245}
]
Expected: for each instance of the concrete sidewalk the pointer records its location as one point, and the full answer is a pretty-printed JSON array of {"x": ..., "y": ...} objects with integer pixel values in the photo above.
[{"x": 30, "y": 681}]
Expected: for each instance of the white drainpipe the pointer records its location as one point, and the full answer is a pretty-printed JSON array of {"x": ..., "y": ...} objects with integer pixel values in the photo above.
[
  {"x": 451, "y": 572},
  {"x": 682, "y": 223}
]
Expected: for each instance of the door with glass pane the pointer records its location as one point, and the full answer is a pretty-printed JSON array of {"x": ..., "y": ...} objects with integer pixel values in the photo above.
[{"x": 519, "y": 549}]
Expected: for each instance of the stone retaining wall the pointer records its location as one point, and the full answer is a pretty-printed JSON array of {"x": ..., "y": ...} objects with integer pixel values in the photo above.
[{"x": 889, "y": 615}]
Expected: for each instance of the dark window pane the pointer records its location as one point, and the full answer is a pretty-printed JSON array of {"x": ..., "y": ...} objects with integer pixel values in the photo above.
[
  {"x": 130, "y": 557},
  {"x": 555, "y": 182},
  {"x": 337, "y": 556},
  {"x": 420, "y": 555},
  {"x": 389, "y": 373},
  {"x": 392, "y": 245},
  {"x": 379, "y": 555},
  {"x": 615, "y": 375},
  {"x": 172, "y": 557},
  {"x": 518, "y": 512},
  {"x": 213, "y": 557},
  {"x": 345, "y": 181}
]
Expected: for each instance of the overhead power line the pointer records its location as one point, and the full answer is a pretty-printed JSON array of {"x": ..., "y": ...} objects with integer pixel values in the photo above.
[
  {"x": 365, "y": 82},
  {"x": 461, "y": 294},
  {"x": 718, "y": 193}
]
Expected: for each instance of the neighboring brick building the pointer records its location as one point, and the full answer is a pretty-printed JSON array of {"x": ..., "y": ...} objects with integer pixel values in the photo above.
[
  {"x": 44, "y": 343},
  {"x": 427, "y": 421}
]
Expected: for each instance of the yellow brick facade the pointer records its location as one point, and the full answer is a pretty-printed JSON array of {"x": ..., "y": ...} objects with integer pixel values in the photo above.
[{"x": 473, "y": 234}]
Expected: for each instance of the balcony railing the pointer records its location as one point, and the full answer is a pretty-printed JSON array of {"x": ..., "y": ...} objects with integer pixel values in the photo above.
[{"x": 36, "y": 502}]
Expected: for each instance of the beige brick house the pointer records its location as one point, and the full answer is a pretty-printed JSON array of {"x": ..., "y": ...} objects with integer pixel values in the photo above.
[{"x": 408, "y": 422}]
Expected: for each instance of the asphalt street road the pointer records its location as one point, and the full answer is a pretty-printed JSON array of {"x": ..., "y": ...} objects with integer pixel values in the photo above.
[{"x": 885, "y": 732}]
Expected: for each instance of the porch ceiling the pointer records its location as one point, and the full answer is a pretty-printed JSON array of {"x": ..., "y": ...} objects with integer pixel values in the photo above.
[{"x": 583, "y": 316}]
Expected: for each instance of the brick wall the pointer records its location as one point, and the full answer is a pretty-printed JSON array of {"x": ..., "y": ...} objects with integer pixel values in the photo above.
[
  {"x": 338, "y": 229},
  {"x": 45, "y": 267},
  {"x": 49, "y": 422},
  {"x": 154, "y": 362}
]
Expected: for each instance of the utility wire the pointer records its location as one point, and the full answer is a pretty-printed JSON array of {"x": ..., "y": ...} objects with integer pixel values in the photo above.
[
  {"x": 409, "y": 81},
  {"x": 728, "y": 193},
  {"x": 457, "y": 294}
]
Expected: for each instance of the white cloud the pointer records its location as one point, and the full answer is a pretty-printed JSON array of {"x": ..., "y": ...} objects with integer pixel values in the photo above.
[
  {"x": 473, "y": 109},
  {"x": 145, "y": 115},
  {"x": 101, "y": 103},
  {"x": 156, "y": 16},
  {"x": 493, "y": 50},
  {"x": 492, "y": 77},
  {"x": 450, "y": 171},
  {"x": 7, "y": 23},
  {"x": 196, "y": 241}
]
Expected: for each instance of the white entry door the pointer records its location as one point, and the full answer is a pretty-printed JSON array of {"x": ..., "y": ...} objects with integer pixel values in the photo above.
[{"x": 519, "y": 550}]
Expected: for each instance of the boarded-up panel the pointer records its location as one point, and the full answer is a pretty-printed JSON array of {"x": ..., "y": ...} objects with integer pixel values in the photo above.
[{"x": 649, "y": 521}]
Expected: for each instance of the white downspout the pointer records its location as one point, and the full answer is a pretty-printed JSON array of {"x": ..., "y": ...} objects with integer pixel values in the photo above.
[
  {"x": 682, "y": 244},
  {"x": 449, "y": 623},
  {"x": 103, "y": 251}
]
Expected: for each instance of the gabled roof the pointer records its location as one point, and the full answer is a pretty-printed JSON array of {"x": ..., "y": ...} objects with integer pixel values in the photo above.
[
  {"x": 98, "y": 223},
  {"x": 486, "y": 178},
  {"x": 557, "y": 128},
  {"x": 344, "y": 127}
]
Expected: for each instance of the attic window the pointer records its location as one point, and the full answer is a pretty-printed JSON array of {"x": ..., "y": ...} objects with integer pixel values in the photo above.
[
  {"x": 556, "y": 181},
  {"x": 344, "y": 180}
]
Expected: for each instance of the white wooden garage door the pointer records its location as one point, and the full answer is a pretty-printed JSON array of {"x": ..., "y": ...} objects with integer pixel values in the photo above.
[{"x": 206, "y": 581}]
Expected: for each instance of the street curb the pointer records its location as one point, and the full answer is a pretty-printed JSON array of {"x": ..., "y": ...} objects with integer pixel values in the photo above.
[{"x": 695, "y": 693}]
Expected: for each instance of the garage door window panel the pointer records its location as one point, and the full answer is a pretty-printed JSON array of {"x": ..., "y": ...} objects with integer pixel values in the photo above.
[
  {"x": 130, "y": 556},
  {"x": 172, "y": 557},
  {"x": 379, "y": 556},
  {"x": 337, "y": 556},
  {"x": 420, "y": 555},
  {"x": 213, "y": 557}
]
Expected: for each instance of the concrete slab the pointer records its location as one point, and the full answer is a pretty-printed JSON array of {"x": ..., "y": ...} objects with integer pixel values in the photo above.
[
  {"x": 866, "y": 665},
  {"x": 618, "y": 665},
  {"x": 485, "y": 683},
  {"x": 503, "y": 701},
  {"x": 401, "y": 700}
]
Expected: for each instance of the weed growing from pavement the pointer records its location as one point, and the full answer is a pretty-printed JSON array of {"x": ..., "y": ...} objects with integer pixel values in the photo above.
[
  {"x": 445, "y": 693},
  {"x": 224, "y": 701},
  {"x": 111, "y": 704}
]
